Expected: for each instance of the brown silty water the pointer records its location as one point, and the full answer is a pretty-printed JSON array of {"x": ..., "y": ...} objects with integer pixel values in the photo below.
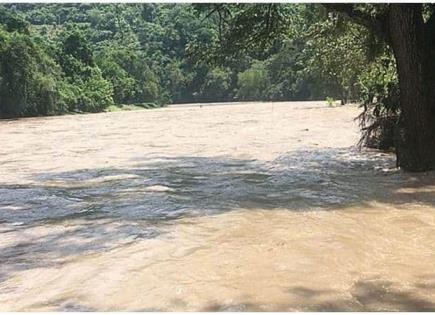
[{"x": 261, "y": 206}]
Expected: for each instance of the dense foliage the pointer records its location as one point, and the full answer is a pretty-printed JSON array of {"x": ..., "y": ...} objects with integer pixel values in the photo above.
[{"x": 57, "y": 58}]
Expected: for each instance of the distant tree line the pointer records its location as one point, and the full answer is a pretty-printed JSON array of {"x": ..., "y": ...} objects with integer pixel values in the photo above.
[{"x": 64, "y": 58}]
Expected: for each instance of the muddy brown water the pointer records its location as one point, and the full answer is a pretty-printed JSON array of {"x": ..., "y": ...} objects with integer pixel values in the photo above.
[{"x": 261, "y": 206}]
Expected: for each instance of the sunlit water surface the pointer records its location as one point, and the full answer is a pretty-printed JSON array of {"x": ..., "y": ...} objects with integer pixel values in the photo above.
[{"x": 262, "y": 206}]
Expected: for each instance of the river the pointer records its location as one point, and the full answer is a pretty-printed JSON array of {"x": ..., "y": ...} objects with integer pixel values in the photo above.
[{"x": 248, "y": 207}]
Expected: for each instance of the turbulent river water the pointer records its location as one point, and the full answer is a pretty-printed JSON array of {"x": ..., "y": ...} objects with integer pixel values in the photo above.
[{"x": 260, "y": 206}]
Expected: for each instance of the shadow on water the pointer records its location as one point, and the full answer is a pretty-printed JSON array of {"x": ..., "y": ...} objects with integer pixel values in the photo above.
[
  {"x": 98, "y": 209},
  {"x": 164, "y": 188},
  {"x": 364, "y": 295}
]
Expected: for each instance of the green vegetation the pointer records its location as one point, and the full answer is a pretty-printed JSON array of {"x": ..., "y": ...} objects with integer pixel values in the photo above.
[
  {"x": 330, "y": 101},
  {"x": 75, "y": 58}
]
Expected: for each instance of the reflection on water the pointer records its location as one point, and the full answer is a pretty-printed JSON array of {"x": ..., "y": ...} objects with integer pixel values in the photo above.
[{"x": 308, "y": 226}]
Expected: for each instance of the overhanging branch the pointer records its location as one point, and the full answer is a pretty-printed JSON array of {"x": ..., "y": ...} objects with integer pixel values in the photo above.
[{"x": 376, "y": 24}]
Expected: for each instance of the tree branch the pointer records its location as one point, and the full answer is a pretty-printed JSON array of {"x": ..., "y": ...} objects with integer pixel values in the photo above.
[{"x": 376, "y": 24}]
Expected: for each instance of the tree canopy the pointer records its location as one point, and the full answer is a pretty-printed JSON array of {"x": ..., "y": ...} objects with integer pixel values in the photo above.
[{"x": 86, "y": 57}]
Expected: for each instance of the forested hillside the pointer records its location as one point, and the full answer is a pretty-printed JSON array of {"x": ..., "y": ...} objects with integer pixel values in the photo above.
[{"x": 60, "y": 58}]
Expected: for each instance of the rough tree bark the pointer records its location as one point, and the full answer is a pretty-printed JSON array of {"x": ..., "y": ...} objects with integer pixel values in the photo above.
[{"x": 415, "y": 140}]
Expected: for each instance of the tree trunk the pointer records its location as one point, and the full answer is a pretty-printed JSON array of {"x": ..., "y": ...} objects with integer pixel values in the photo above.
[{"x": 415, "y": 139}]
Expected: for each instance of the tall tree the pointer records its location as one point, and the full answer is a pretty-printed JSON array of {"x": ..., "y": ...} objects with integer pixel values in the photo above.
[
  {"x": 409, "y": 29},
  {"x": 403, "y": 27}
]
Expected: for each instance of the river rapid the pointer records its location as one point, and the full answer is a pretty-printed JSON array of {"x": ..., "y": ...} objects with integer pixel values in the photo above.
[{"x": 242, "y": 207}]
